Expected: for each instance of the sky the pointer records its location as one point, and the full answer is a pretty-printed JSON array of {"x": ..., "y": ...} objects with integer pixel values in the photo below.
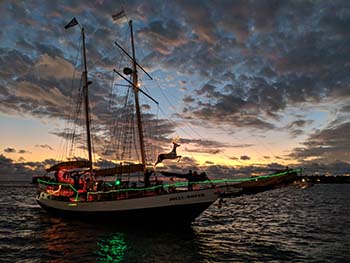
[{"x": 244, "y": 86}]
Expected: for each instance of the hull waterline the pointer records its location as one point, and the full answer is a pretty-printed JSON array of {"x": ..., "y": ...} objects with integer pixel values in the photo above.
[{"x": 181, "y": 207}]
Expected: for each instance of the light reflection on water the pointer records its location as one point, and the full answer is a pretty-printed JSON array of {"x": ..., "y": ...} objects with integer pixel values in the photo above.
[
  {"x": 284, "y": 225},
  {"x": 112, "y": 249}
]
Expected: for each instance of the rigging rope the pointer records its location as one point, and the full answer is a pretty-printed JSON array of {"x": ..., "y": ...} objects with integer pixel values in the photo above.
[{"x": 62, "y": 153}]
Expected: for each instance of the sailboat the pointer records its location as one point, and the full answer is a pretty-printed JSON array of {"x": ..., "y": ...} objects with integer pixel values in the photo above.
[{"x": 78, "y": 191}]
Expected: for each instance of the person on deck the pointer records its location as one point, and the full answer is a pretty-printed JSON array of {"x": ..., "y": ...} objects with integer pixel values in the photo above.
[
  {"x": 190, "y": 180},
  {"x": 147, "y": 176},
  {"x": 172, "y": 187}
]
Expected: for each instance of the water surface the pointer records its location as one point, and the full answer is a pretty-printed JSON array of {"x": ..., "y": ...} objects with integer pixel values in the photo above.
[{"x": 284, "y": 225}]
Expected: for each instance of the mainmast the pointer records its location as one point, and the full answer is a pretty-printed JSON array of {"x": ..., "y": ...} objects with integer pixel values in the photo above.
[
  {"x": 137, "y": 104},
  {"x": 86, "y": 83}
]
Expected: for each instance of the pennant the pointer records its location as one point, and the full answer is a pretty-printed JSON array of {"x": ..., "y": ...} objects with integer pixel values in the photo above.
[
  {"x": 118, "y": 15},
  {"x": 72, "y": 23}
]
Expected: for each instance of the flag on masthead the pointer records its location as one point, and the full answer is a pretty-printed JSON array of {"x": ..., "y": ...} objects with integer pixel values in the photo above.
[
  {"x": 72, "y": 23},
  {"x": 118, "y": 15}
]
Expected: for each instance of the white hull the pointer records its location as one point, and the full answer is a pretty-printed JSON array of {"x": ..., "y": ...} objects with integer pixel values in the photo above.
[{"x": 188, "y": 203}]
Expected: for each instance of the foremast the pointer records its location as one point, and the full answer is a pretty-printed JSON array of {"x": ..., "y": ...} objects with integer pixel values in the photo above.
[{"x": 86, "y": 84}]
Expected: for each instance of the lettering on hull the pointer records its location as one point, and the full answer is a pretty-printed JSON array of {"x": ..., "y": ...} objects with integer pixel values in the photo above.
[{"x": 182, "y": 197}]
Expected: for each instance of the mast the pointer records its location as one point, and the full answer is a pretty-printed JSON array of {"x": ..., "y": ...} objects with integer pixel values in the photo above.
[
  {"x": 86, "y": 83},
  {"x": 137, "y": 105}
]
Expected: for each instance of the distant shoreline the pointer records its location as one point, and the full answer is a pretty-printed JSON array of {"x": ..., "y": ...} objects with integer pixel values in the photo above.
[{"x": 327, "y": 179}]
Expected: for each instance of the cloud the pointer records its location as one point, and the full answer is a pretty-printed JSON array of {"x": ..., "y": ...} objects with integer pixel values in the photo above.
[
  {"x": 295, "y": 128},
  {"x": 320, "y": 168},
  {"x": 10, "y": 150},
  {"x": 298, "y": 124},
  {"x": 209, "y": 146},
  {"x": 244, "y": 158},
  {"x": 9, "y": 170},
  {"x": 327, "y": 145},
  {"x": 44, "y": 146},
  {"x": 293, "y": 75},
  {"x": 345, "y": 109},
  {"x": 13, "y": 150},
  {"x": 23, "y": 151},
  {"x": 244, "y": 145},
  {"x": 247, "y": 70},
  {"x": 198, "y": 150},
  {"x": 31, "y": 92},
  {"x": 227, "y": 108},
  {"x": 57, "y": 67},
  {"x": 164, "y": 36}
]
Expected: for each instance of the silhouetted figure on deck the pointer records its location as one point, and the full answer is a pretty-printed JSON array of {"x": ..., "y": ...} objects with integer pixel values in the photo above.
[
  {"x": 147, "y": 176},
  {"x": 195, "y": 177},
  {"x": 76, "y": 179},
  {"x": 191, "y": 177},
  {"x": 190, "y": 180}
]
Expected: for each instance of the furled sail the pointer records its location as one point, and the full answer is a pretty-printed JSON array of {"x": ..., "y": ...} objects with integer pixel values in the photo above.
[
  {"x": 123, "y": 169},
  {"x": 69, "y": 165}
]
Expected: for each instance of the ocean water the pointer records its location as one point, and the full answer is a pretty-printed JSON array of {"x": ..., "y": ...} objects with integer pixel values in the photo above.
[{"x": 289, "y": 224}]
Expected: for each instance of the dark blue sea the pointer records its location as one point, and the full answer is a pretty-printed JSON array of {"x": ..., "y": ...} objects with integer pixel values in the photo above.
[{"x": 290, "y": 224}]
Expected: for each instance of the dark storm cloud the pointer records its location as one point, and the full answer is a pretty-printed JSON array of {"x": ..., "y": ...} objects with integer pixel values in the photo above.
[
  {"x": 220, "y": 171},
  {"x": 298, "y": 124},
  {"x": 10, "y": 170},
  {"x": 345, "y": 108},
  {"x": 164, "y": 35},
  {"x": 255, "y": 58},
  {"x": 13, "y": 63},
  {"x": 230, "y": 107},
  {"x": 295, "y": 128},
  {"x": 40, "y": 82},
  {"x": 327, "y": 145},
  {"x": 290, "y": 62}
]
